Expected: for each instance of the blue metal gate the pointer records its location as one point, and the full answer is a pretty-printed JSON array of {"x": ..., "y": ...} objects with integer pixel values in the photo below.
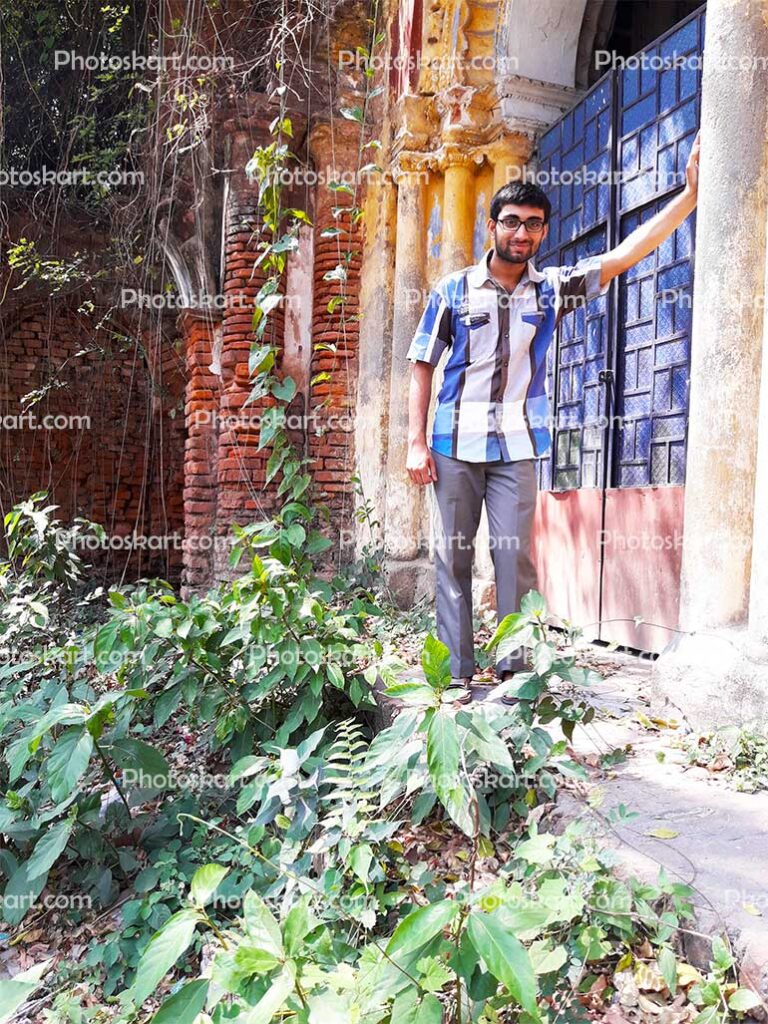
[{"x": 618, "y": 371}]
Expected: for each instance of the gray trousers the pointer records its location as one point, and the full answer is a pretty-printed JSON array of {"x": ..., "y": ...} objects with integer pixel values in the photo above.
[{"x": 509, "y": 492}]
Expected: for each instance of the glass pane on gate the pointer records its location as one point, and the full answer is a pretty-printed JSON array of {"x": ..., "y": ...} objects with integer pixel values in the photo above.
[
  {"x": 653, "y": 360},
  {"x": 658, "y": 115},
  {"x": 581, "y": 410},
  {"x": 574, "y": 171}
]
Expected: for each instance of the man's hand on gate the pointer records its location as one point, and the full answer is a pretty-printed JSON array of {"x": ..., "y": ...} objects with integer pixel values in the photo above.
[
  {"x": 420, "y": 464},
  {"x": 651, "y": 233},
  {"x": 692, "y": 167}
]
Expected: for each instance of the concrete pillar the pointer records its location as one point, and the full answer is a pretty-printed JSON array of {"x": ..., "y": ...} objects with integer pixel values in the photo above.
[
  {"x": 716, "y": 669},
  {"x": 458, "y": 212},
  {"x": 727, "y": 321},
  {"x": 404, "y": 499}
]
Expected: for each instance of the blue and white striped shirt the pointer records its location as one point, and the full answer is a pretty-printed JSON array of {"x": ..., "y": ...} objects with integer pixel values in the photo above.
[{"x": 493, "y": 403}]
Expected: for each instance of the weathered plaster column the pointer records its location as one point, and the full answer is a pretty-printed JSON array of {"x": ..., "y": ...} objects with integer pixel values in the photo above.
[
  {"x": 758, "y": 590},
  {"x": 297, "y": 335},
  {"x": 458, "y": 210},
  {"x": 508, "y": 155},
  {"x": 727, "y": 322},
  {"x": 713, "y": 674},
  {"x": 403, "y": 533},
  {"x": 375, "y": 356}
]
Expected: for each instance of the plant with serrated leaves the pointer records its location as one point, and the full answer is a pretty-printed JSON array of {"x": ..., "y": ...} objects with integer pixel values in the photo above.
[
  {"x": 486, "y": 762},
  {"x": 254, "y": 657},
  {"x": 359, "y": 864},
  {"x": 41, "y": 579},
  {"x": 348, "y": 800},
  {"x": 312, "y": 812},
  {"x": 65, "y": 747}
]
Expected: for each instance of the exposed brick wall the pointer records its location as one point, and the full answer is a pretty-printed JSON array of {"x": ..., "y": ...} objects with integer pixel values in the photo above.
[
  {"x": 162, "y": 458},
  {"x": 122, "y": 465},
  {"x": 201, "y": 449},
  {"x": 241, "y": 468},
  {"x": 332, "y": 400}
]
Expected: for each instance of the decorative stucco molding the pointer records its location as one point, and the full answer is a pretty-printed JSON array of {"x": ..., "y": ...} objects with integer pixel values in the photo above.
[{"x": 529, "y": 107}]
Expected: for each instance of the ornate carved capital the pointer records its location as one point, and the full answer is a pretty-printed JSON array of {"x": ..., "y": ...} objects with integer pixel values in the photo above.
[
  {"x": 409, "y": 164},
  {"x": 453, "y": 155}
]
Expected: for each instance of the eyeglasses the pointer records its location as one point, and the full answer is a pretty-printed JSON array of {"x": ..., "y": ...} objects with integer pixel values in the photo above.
[{"x": 534, "y": 225}]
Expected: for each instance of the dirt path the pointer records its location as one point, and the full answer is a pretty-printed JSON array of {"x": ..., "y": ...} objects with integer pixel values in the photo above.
[{"x": 715, "y": 838}]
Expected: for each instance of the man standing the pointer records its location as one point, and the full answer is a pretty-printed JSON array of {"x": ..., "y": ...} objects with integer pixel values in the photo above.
[{"x": 497, "y": 320}]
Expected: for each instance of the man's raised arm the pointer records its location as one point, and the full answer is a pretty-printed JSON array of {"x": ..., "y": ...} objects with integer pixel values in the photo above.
[{"x": 650, "y": 235}]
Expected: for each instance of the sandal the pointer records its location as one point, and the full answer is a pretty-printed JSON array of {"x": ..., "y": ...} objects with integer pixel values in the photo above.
[
  {"x": 507, "y": 698},
  {"x": 458, "y": 690}
]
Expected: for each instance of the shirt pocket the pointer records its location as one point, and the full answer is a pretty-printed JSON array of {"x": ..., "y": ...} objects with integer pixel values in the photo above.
[
  {"x": 535, "y": 318},
  {"x": 525, "y": 328},
  {"x": 477, "y": 319},
  {"x": 479, "y": 322}
]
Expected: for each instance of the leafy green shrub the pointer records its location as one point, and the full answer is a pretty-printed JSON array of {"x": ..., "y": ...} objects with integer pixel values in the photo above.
[
  {"x": 41, "y": 580},
  {"x": 487, "y": 762},
  {"x": 418, "y": 944},
  {"x": 252, "y": 660},
  {"x": 251, "y": 657}
]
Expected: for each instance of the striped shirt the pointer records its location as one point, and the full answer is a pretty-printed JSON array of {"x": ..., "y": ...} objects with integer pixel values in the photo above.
[{"x": 493, "y": 403}]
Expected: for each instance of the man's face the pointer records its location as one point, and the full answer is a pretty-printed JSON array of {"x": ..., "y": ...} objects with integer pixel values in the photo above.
[{"x": 514, "y": 242}]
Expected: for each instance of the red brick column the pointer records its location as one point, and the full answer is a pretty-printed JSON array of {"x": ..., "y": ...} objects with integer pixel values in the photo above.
[
  {"x": 331, "y": 420},
  {"x": 241, "y": 467},
  {"x": 201, "y": 449}
]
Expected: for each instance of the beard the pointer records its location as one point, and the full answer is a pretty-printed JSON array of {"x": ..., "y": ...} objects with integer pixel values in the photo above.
[{"x": 512, "y": 252}]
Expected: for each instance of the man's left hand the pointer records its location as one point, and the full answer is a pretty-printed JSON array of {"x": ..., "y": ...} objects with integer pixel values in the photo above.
[{"x": 692, "y": 167}]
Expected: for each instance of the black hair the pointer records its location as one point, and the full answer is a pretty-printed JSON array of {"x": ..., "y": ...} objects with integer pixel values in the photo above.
[{"x": 521, "y": 193}]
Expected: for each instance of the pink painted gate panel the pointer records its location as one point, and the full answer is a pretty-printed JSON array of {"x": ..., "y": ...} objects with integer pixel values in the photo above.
[
  {"x": 602, "y": 574},
  {"x": 566, "y": 552},
  {"x": 641, "y": 566}
]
